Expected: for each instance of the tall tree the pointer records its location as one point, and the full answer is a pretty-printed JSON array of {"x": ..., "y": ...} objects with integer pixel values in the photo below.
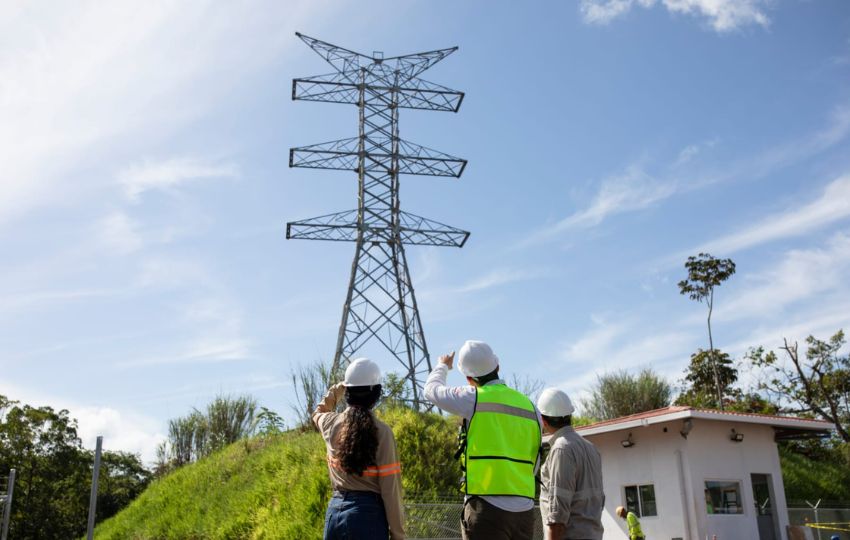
[
  {"x": 621, "y": 393},
  {"x": 705, "y": 273},
  {"x": 818, "y": 384}
]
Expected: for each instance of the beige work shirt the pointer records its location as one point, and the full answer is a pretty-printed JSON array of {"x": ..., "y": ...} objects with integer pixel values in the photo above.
[
  {"x": 571, "y": 491},
  {"x": 384, "y": 478}
]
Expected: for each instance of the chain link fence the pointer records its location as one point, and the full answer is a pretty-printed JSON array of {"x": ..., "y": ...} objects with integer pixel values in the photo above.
[
  {"x": 807, "y": 516},
  {"x": 439, "y": 519}
]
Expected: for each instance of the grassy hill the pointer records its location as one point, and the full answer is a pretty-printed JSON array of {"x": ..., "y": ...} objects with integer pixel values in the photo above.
[
  {"x": 808, "y": 479},
  {"x": 275, "y": 487}
]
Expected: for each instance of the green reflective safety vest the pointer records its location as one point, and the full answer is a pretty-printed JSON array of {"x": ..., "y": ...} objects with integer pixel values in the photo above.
[
  {"x": 634, "y": 526},
  {"x": 502, "y": 443}
]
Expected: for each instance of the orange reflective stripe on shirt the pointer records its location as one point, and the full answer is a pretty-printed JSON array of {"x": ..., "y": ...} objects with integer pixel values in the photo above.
[{"x": 381, "y": 470}]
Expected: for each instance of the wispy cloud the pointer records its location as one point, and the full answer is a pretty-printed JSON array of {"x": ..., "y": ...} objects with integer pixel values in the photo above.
[
  {"x": 119, "y": 232},
  {"x": 722, "y": 15},
  {"x": 801, "y": 275},
  {"x": 167, "y": 174},
  {"x": 218, "y": 336},
  {"x": 496, "y": 278},
  {"x": 621, "y": 345},
  {"x": 15, "y": 304},
  {"x": 633, "y": 189},
  {"x": 70, "y": 95},
  {"x": 833, "y": 205}
]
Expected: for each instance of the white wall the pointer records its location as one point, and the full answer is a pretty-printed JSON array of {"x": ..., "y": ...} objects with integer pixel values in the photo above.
[
  {"x": 652, "y": 460},
  {"x": 708, "y": 453},
  {"x": 713, "y": 455}
]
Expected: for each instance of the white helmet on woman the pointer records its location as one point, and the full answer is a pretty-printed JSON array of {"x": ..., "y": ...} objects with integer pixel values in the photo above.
[{"x": 362, "y": 372}]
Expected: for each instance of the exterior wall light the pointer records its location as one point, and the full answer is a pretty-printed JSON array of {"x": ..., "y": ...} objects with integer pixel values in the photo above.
[
  {"x": 735, "y": 436},
  {"x": 628, "y": 443}
]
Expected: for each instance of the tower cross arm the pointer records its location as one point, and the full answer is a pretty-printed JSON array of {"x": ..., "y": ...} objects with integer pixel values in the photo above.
[
  {"x": 342, "y": 87},
  {"x": 419, "y": 231},
  {"x": 340, "y": 58},
  {"x": 411, "y": 65},
  {"x": 411, "y": 230},
  {"x": 344, "y": 155}
]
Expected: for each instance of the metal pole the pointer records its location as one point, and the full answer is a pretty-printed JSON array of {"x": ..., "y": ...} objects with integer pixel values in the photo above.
[
  {"x": 7, "y": 508},
  {"x": 815, "y": 509},
  {"x": 93, "y": 499}
]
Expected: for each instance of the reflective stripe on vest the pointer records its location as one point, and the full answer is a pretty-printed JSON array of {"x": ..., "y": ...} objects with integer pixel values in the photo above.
[{"x": 502, "y": 443}]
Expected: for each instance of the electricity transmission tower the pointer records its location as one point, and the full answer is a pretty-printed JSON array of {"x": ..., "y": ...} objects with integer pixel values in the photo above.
[{"x": 380, "y": 304}]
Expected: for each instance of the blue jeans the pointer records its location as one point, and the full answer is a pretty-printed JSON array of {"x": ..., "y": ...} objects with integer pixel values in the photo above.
[{"x": 356, "y": 515}]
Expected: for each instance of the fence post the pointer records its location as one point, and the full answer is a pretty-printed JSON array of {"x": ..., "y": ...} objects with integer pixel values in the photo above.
[
  {"x": 93, "y": 498},
  {"x": 817, "y": 522},
  {"x": 7, "y": 507}
]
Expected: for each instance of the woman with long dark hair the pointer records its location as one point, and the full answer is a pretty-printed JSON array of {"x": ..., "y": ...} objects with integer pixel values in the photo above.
[{"x": 362, "y": 461}]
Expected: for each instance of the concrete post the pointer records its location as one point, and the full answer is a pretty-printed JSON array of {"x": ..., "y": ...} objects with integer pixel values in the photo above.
[
  {"x": 93, "y": 498},
  {"x": 7, "y": 508}
]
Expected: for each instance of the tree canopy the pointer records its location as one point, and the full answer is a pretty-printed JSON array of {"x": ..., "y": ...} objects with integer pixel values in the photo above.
[
  {"x": 54, "y": 473},
  {"x": 621, "y": 393}
]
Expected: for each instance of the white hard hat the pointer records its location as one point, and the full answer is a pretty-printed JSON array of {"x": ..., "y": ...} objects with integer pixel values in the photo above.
[
  {"x": 362, "y": 372},
  {"x": 476, "y": 358},
  {"x": 553, "y": 402}
]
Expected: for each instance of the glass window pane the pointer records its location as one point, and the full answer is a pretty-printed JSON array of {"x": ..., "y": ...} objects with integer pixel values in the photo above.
[
  {"x": 723, "y": 497},
  {"x": 647, "y": 500},
  {"x": 632, "y": 500}
]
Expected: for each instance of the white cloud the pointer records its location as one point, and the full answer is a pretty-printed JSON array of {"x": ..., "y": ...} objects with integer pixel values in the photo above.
[
  {"x": 802, "y": 275},
  {"x": 121, "y": 431},
  {"x": 218, "y": 335},
  {"x": 80, "y": 79},
  {"x": 832, "y": 206},
  {"x": 163, "y": 175},
  {"x": 119, "y": 232},
  {"x": 621, "y": 345},
  {"x": 631, "y": 190},
  {"x": 723, "y": 15},
  {"x": 497, "y": 278}
]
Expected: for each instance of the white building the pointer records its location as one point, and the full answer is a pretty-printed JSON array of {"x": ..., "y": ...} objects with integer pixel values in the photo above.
[{"x": 693, "y": 473}]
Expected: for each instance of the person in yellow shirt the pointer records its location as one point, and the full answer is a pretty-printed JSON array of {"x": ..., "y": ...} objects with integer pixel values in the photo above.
[{"x": 635, "y": 532}]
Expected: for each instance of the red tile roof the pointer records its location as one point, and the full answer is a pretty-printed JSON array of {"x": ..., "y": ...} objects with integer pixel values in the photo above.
[{"x": 698, "y": 412}]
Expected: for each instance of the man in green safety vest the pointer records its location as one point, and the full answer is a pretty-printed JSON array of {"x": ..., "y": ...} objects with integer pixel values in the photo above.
[
  {"x": 501, "y": 437},
  {"x": 635, "y": 532}
]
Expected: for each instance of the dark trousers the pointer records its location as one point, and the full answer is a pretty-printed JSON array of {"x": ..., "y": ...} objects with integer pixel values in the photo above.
[
  {"x": 483, "y": 521},
  {"x": 356, "y": 515}
]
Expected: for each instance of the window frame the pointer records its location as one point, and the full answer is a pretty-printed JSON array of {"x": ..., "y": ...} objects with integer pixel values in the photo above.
[
  {"x": 740, "y": 503},
  {"x": 640, "y": 507}
]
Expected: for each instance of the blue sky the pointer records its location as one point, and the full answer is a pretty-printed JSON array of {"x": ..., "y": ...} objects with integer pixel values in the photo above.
[{"x": 145, "y": 189}]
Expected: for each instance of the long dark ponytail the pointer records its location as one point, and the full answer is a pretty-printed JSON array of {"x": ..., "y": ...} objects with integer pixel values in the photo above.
[{"x": 359, "y": 439}]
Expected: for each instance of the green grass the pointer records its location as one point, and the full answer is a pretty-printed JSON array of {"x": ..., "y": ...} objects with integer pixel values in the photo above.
[{"x": 276, "y": 487}]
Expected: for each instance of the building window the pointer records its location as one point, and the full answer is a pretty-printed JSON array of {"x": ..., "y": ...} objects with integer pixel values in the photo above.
[
  {"x": 723, "y": 497},
  {"x": 641, "y": 500}
]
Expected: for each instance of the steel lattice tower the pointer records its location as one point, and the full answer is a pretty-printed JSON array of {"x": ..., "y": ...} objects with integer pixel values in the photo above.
[{"x": 380, "y": 304}]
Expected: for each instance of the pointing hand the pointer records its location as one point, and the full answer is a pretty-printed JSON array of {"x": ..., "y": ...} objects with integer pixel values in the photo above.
[{"x": 448, "y": 359}]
